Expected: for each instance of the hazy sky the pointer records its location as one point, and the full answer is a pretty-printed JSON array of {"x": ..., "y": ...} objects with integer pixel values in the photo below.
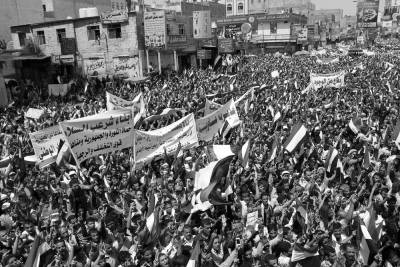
[{"x": 347, "y": 5}]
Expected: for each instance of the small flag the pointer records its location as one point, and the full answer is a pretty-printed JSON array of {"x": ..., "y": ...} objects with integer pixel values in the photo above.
[
  {"x": 298, "y": 134},
  {"x": 194, "y": 257},
  {"x": 151, "y": 231},
  {"x": 277, "y": 116},
  {"x": 368, "y": 248},
  {"x": 396, "y": 133},
  {"x": 274, "y": 149},
  {"x": 244, "y": 155},
  {"x": 355, "y": 125},
  {"x": 308, "y": 89},
  {"x": 367, "y": 159},
  {"x": 331, "y": 160},
  {"x": 86, "y": 87},
  {"x": 388, "y": 86}
]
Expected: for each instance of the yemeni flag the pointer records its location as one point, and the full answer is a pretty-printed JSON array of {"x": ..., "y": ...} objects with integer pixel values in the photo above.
[
  {"x": 367, "y": 158},
  {"x": 355, "y": 125},
  {"x": 230, "y": 123},
  {"x": 277, "y": 116},
  {"x": 305, "y": 257},
  {"x": 194, "y": 260},
  {"x": 396, "y": 133},
  {"x": 331, "y": 162},
  {"x": 368, "y": 247},
  {"x": 206, "y": 183},
  {"x": 244, "y": 155},
  {"x": 151, "y": 232},
  {"x": 297, "y": 136},
  {"x": 274, "y": 149}
]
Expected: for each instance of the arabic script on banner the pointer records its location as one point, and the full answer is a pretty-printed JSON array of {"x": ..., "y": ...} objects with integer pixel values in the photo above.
[
  {"x": 149, "y": 145},
  {"x": 45, "y": 143},
  {"x": 99, "y": 134},
  {"x": 327, "y": 80},
  {"x": 209, "y": 125}
]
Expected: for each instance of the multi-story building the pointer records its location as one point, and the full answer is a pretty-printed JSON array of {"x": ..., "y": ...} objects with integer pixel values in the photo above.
[
  {"x": 329, "y": 21},
  {"x": 97, "y": 46},
  {"x": 244, "y": 7},
  {"x": 63, "y": 9},
  {"x": 271, "y": 32},
  {"x": 175, "y": 30},
  {"x": 18, "y": 12}
]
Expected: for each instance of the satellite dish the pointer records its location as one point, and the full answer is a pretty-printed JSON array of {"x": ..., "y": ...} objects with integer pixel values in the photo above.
[
  {"x": 395, "y": 16},
  {"x": 246, "y": 28}
]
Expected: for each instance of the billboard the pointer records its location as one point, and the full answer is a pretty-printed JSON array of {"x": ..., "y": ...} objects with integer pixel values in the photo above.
[
  {"x": 154, "y": 28},
  {"x": 367, "y": 13},
  {"x": 202, "y": 24},
  {"x": 126, "y": 66},
  {"x": 226, "y": 45}
]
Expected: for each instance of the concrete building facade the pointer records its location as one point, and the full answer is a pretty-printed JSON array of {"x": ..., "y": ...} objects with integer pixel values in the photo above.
[
  {"x": 244, "y": 7},
  {"x": 94, "y": 47},
  {"x": 17, "y": 12}
]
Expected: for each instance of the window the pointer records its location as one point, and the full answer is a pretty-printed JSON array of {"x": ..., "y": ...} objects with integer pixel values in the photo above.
[
  {"x": 22, "y": 38},
  {"x": 40, "y": 37},
  {"x": 240, "y": 8},
  {"x": 168, "y": 29},
  {"x": 114, "y": 31},
  {"x": 60, "y": 34},
  {"x": 93, "y": 33},
  {"x": 274, "y": 27},
  {"x": 44, "y": 8},
  {"x": 229, "y": 8},
  {"x": 181, "y": 29}
]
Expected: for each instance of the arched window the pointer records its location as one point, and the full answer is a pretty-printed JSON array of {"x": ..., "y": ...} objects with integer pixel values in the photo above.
[
  {"x": 229, "y": 8},
  {"x": 240, "y": 8}
]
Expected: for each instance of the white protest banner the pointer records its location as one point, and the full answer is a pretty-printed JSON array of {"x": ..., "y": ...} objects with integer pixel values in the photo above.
[
  {"x": 45, "y": 144},
  {"x": 327, "y": 80},
  {"x": 103, "y": 121},
  {"x": 34, "y": 113},
  {"x": 99, "y": 134},
  {"x": 115, "y": 102},
  {"x": 209, "y": 125},
  {"x": 151, "y": 144},
  {"x": 167, "y": 112},
  {"x": 248, "y": 95},
  {"x": 210, "y": 107},
  {"x": 252, "y": 218},
  {"x": 137, "y": 105},
  {"x": 90, "y": 143},
  {"x": 327, "y": 61},
  {"x": 58, "y": 89}
]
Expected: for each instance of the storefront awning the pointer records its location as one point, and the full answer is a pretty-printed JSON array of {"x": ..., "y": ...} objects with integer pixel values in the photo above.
[{"x": 9, "y": 57}]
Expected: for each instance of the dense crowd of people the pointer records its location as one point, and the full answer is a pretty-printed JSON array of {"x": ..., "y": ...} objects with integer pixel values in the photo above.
[{"x": 306, "y": 215}]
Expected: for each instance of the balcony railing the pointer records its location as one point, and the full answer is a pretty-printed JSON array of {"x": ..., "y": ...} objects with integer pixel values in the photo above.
[{"x": 260, "y": 38}]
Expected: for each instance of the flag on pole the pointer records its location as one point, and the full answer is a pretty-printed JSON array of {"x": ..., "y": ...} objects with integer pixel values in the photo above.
[
  {"x": 151, "y": 231},
  {"x": 354, "y": 125},
  {"x": 368, "y": 248},
  {"x": 298, "y": 134},
  {"x": 277, "y": 116},
  {"x": 389, "y": 87},
  {"x": 274, "y": 149},
  {"x": 244, "y": 155},
  {"x": 194, "y": 257},
  {"x": 367, "y": 158},
  {"x": 396, "y": 133},
  {"x": 331, "y": 160}
]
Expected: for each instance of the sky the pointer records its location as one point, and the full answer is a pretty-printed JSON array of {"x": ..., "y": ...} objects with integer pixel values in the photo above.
[{"x": 347, "y": 5}]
